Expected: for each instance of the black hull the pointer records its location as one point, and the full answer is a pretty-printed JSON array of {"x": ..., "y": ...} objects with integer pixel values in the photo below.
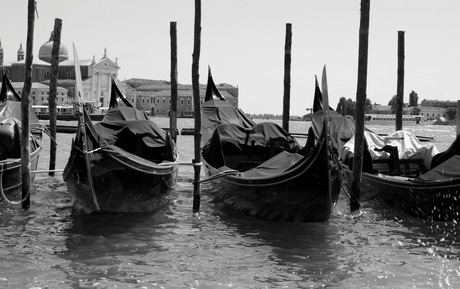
[
  {"x": 70, "y": 117},
  {"x": 299, "y": 195},
  {"x": 117, "y": 188},
  {"x": 436, "y": 201},
  {"x": 10, "y": 176}
]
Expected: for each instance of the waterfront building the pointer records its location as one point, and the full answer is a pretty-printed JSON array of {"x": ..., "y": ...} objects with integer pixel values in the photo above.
[
  {"x": 96, "y": 76},
  {"x": 152, "y": 96}
]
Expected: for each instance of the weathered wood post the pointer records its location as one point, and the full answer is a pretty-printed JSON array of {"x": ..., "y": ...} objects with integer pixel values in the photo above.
[
  {"x": 400, "y": 82},
  {"x": 360, "y": 103},
  {"x": 197, "y": 105},
  {"x": 343, "y": 104},
  {"x": 173, "y": 108},
  {"x": 53, "y": 91},
  {"x": 457, "y": 117},
  {"x": 287, "y": 77},
  {"x": 25, "y": 102}
]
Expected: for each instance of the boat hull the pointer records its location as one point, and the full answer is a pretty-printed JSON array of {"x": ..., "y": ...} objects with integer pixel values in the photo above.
[
  {"x": 117, "y": 188},
  {"x": 300, "y": 195},
  {"x": 437, "y": 200},
  {"x": 10, "y": 175},
  {"x": 70, "y": 117}
]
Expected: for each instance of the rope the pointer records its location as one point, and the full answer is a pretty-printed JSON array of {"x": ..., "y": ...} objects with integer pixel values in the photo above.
[
  {"x": 4, "y": 196},
  {"x": 218, "y": 175},
  {"x": 46, "y": 171}
]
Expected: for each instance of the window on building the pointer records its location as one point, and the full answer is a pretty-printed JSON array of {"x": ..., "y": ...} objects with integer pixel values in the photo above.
[
  {"x": 188, "y": 101},
  {"x": 164, "y": 101},
  {"x": 181, "y": 101}
]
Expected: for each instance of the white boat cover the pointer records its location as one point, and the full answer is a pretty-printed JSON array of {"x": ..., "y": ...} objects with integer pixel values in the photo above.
[{"x": 343, "y": 129}]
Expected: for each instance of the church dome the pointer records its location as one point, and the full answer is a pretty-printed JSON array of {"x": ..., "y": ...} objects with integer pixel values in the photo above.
[{"x": 47, "y": 48}]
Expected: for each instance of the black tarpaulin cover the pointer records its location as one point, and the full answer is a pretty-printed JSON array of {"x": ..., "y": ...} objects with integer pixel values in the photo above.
[
  {"x": 10, "y": 130},
  {"x": 124, "y": 113},
  {"x": 447, "y": 170},
  {"x": 139, "y": 137},
  {"x": 233, "y": 139},
  {"x": 215, "y": 112},
  {"x": 274, "y": 166},
  {"x": 13, "y": 109}
]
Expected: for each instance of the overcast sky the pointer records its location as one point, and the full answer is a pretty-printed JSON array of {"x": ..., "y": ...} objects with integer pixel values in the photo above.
[{"x": 243, "y": 42}]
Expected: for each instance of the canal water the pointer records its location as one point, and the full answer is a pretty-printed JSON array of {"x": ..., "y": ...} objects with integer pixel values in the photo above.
[{"x": 49, "y": 246}]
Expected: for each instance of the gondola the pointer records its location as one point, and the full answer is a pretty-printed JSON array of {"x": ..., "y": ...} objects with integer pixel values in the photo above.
[
  {"x": 10, "y": 146},
  {"x": 411, "y": 176},
  {"x": 123, "y": 164},
  {"x": 260, "y": 169},
  {"x": 401, "y": 171}
]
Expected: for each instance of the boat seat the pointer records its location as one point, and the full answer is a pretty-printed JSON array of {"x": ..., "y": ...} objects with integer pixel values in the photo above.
[
  {"x": 277, "y": 145},
  {"x": 407, "y": 167},
  {"x": 393, "y": 160}
]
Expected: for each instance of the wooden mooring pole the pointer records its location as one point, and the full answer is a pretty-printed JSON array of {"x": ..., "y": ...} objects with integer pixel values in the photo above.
[
  {"x": 287, "y": 77},
  {"x": 457, "y": 117},
  {"x": 173, "y": 110},
  {"x": 25, "y": 102},
  {"x": 53, "y": 91},
  {"x": 400, "y": 82},
  {"x": 360, "y": 104},
  {"x": 197, "y": 105}
]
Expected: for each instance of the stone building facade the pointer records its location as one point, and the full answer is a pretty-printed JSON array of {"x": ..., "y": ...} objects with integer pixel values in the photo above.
[{"x": 152, "y": 96}]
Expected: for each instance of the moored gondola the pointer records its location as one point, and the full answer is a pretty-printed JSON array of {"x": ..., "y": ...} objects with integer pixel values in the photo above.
[
  {"x": 261, "y": 169},
  {"x": 124, "y": 163}
]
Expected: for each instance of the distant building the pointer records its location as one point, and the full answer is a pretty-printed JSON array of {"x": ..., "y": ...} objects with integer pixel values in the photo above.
[
  {"x": 153, "y": 96},
  {"x": 96, "y": 75},
  {"x": 438, "y": 103},
  {"x": 428, "y": 113}
]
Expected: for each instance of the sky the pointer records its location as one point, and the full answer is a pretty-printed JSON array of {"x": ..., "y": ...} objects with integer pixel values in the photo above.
[{"x": 243, "y": 42}]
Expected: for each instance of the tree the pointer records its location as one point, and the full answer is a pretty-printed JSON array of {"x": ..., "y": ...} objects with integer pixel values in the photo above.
[
  {"x": 341, "y": 106},
  {"x": 416, "y": 110},
  {"x": 451, "y": 112},
  {"x": 393, "y": 104},
  {"x": 350, "y": 106},
  {"x": 368, "y": 105},
  {"x": 413, "y": 99}
]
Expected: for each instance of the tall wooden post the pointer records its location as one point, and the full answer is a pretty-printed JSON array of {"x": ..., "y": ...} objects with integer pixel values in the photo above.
[
  {"x": 173, "y": 110},
  {"x": 457, "y": 117},
  {"x": 400, "y": 84},
  {"x": 25, "y": 102},
  {"x": 343, "y": 104},
  {"x": 360, "y": 103},
  {"x": 197, "y": 105},
  {"x": 53, "y": 91},
  {"x": 287, "y": 77}
]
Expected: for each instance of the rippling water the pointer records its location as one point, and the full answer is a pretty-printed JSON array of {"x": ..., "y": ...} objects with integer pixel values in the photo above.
[{"x": 48, "y": 246}]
